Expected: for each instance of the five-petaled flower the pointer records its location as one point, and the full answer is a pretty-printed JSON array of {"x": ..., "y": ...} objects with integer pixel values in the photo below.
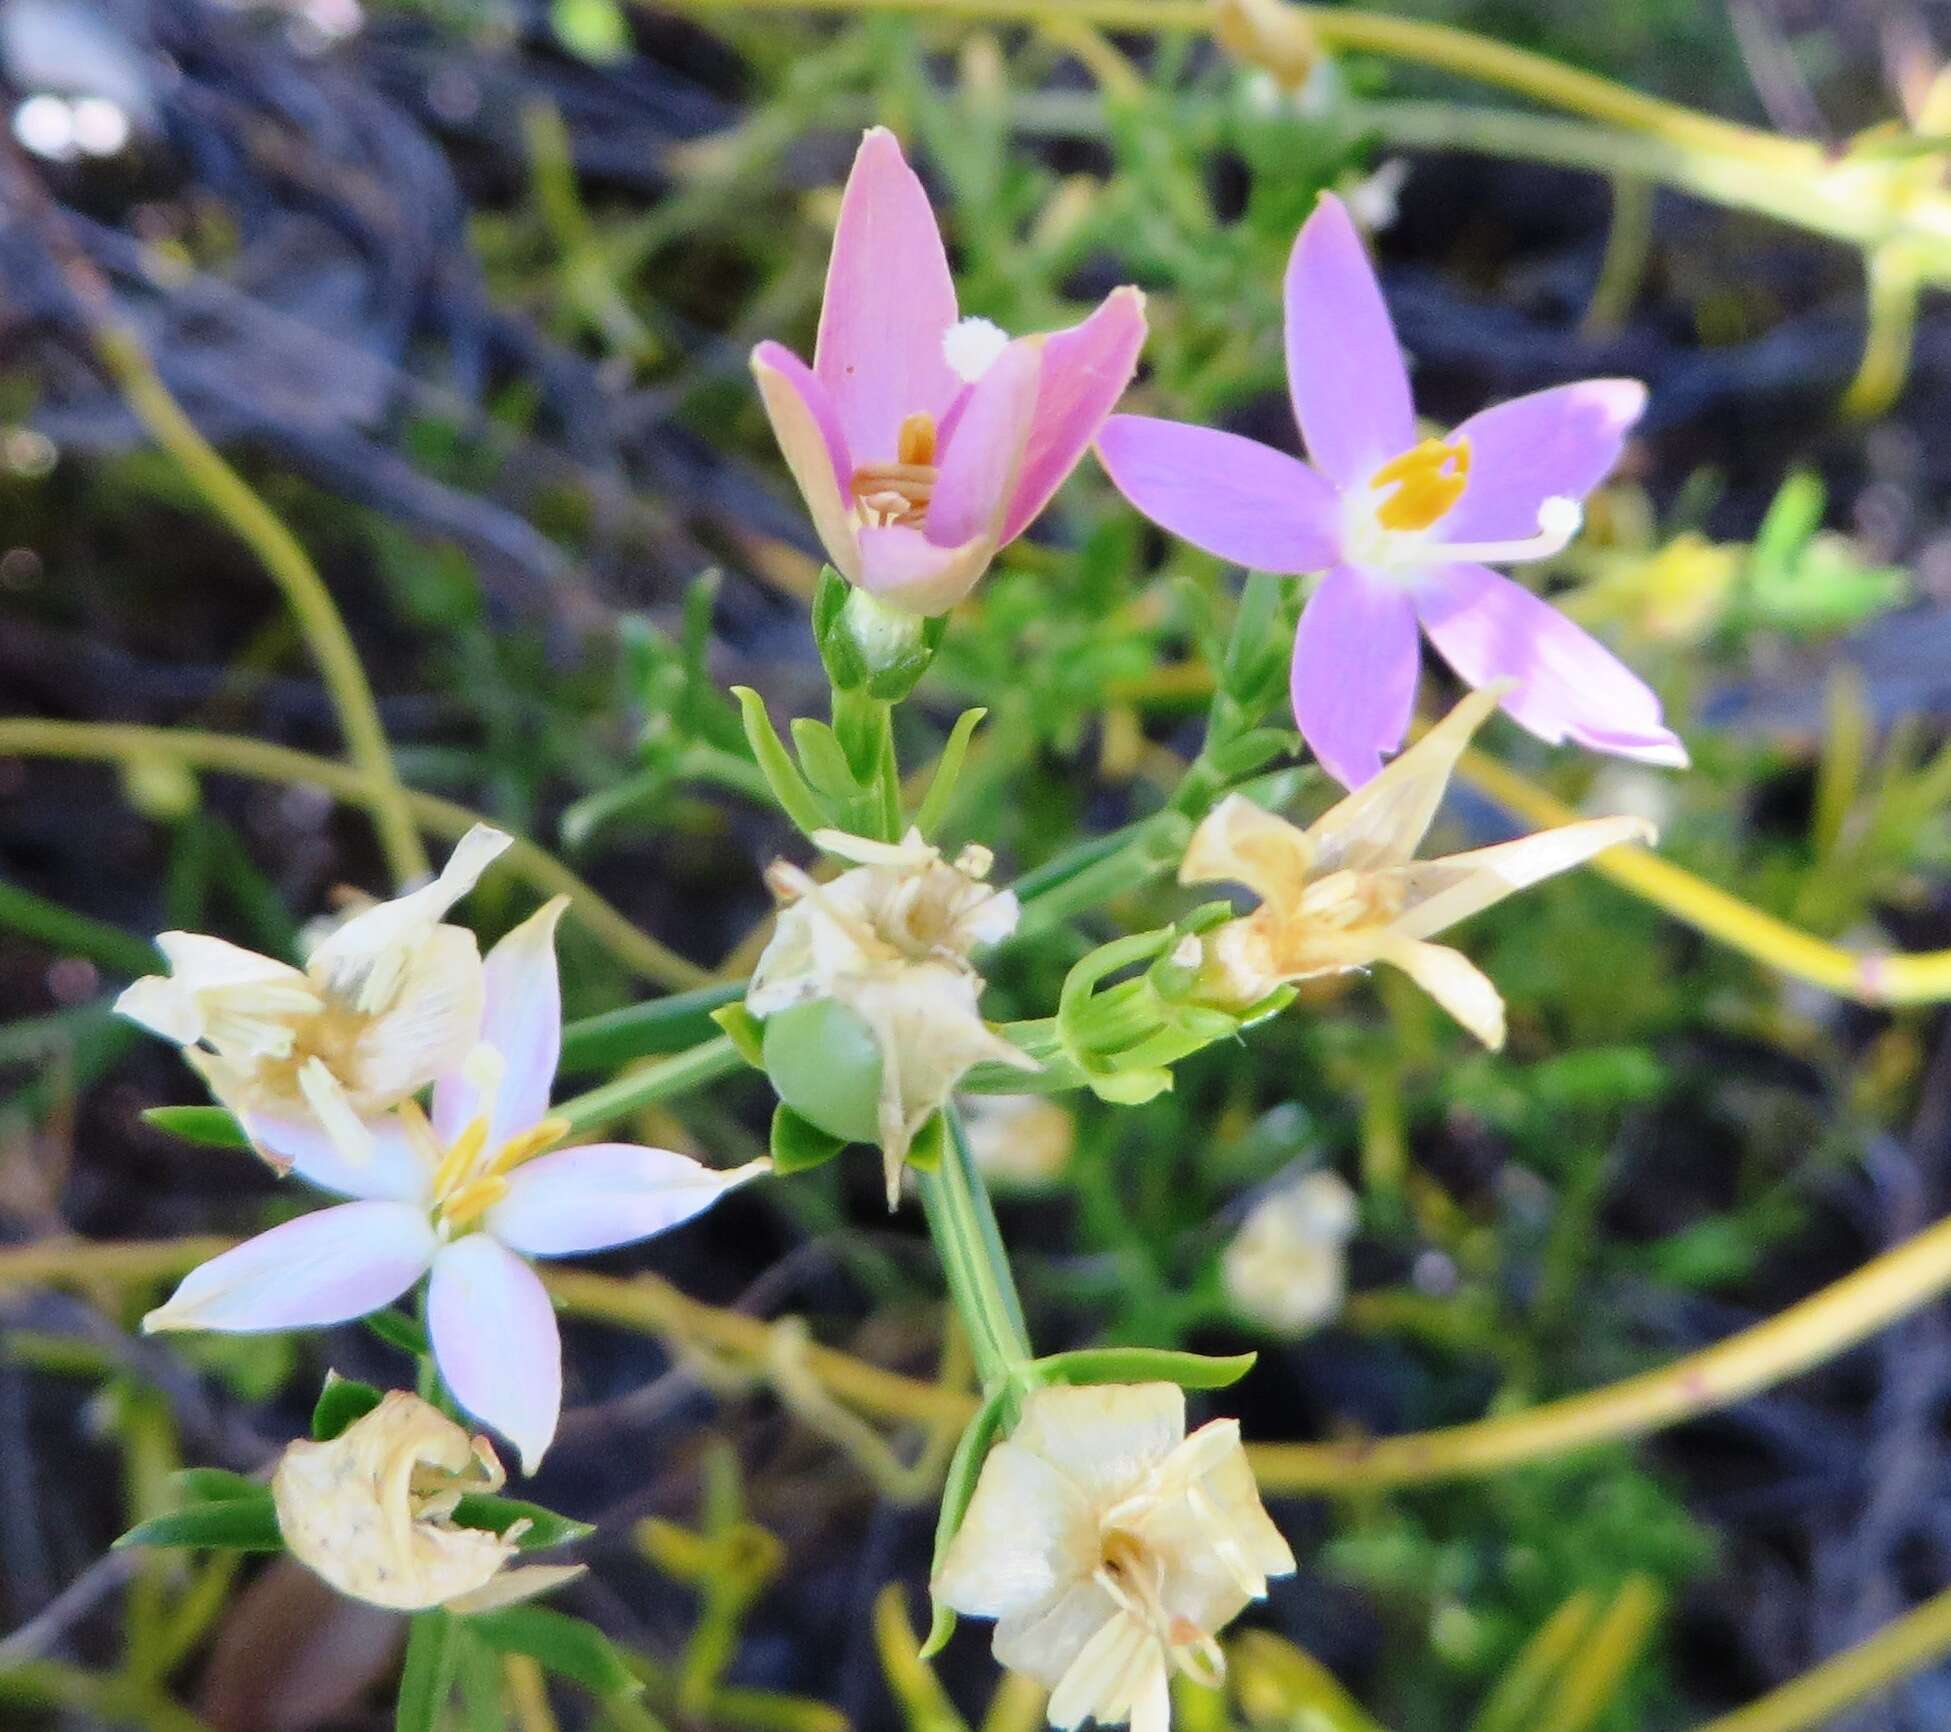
[
  {"x": 890, "y": 941},
  {"x": 923, "y": 441},
  {"x": 464, "y": 1196},
  {"x": 371, "y": 1511},
  {"x": 383, "y": 1005},
  {"x": 1287, "y": 1267},
  {"x": 1346, "y": 892},
  {"x": 1403, "y": 529},
  {"x": 1111, "y": 1548}
]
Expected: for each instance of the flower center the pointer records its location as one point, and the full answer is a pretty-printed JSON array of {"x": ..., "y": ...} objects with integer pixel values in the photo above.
[
  {"x": 898, "y": 492},
  {"x": 470, "y": 1177},
  {"x": 1134, "y": 1576},
  {"x": 1421, "y": 485}
]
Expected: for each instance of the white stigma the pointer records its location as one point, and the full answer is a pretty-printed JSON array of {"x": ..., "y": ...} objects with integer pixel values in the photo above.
[
  {"x": 1559, "y": 520},
  {"x": 970, "y": 347}
]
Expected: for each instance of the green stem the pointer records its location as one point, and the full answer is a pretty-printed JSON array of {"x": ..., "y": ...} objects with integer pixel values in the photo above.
[
  {"x": 679, "y": 1074},
  {"x": 963, "y": 1225}
]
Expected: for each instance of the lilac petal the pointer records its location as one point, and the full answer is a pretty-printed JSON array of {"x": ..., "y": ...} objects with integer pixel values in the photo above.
[
  {"x": 495, "y": 1339},
  {"x": 807, "y": 426},
  {"x": 1085, "y": 371},
  {"x": 1568, "y": 685},
  {"x": 889, "y": 302},
  {"x": 326, "y": 1267},
  {"x": 604, "y": 1194},
  {"x": 394, "y": 1172},
  {"x": 908, "y": 571},
  {"x": 1344, "y": 365},
  {"x": 522, "y": 1022},
  {"x": 1552, "y": 444},
  {"x": 982, "y": 460},
  {"x": 1355, "y": 670},
  {"x": 1234, "y": 497}
]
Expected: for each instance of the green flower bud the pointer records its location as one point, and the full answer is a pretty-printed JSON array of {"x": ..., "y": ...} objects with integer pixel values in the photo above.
[{"x": 825, "y": 1064}]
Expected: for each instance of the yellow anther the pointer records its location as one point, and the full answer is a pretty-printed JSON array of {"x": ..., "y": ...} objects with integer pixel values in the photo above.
[
  {"x": 473, "y": 1200},
  {"x": 528, "y": 1144},
  {"x": 915, "y": 443},
  {"x": 459, "y": 1160},
  {"x": 1428, "y": 479}
]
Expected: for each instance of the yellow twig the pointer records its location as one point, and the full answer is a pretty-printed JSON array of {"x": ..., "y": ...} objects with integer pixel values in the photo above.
[
  {"x": 1896, "y": 1652},
  {"x": 122, "y": 356},
  {"x": 1805, "y": 1335},
  {"x": 234, "y": 755},
  {"x": 1872, "y": 977}
]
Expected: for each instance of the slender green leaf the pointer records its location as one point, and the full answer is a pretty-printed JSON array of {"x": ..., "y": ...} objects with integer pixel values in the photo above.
[
  {"x": 648, "y": 1030},
  {"x": 212, "y": 1127},
  {"x": 244, "y": 1524},
  {"x": 948, "y": 771},
  {"x": 964, "y": 1467},
  {"x": 1145, "y": 1365},
  {"x": 498, "y": 1514},
  {"x": 570, "y": 1646},
  {"x": 215, "y": 1485},
  {"x": 340, "y": 1402},
  {"x": 788, "y": 787},
  {"x": 399, "y": 1330}
]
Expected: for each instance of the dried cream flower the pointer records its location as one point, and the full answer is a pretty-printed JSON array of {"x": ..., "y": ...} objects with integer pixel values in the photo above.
[
  {"x": 1345, "y": 893},
  {"x": 389, "y": 999},
  {"x": 1287, "y": 1266},
  {"x": 371, "y": 1512},
  {"x": 890, "y": 941},
  {"x": 1111, "y": 1548},
  {"x": 1020, "y": 1141}
]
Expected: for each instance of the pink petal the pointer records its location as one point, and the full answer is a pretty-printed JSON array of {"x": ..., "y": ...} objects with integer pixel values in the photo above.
[
  {"x": 889, "y": 302},
  {"x": 604, "y": 1194},
  {"x": 982, "y": 460},
  {"x": 908, "y": 571},
  {"x": 1569, "y": 686},
  {"x": 1234, "y": 497},
  {"x": 395, "y": 1172},
  {"x": 495, "y": 1339},
  {"x": 1085, "y": 371},
  {"x": 1552, "y": 444},
  {"x": 522, "y": 1022},
  {"x": 1355, "y": 669},
  {"x": 1344, "y": 366},
  {"x": 326, "y": 1267},
  {"x": 807, "y": 427}
]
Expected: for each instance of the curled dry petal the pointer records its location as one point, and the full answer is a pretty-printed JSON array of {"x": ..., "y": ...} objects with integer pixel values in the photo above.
[{"x": 370, "y": 1511}]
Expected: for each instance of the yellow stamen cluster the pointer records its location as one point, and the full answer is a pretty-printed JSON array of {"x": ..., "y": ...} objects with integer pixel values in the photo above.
[
  {"x": 899, "y": 492},
  {"x": 1427, "y": 480},
  {"x": 469, "y": 1178}
]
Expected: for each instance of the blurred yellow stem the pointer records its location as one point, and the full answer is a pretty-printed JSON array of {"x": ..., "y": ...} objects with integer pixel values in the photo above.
[
  {"x": 1805, "y": 1335},
  {"x": 291, "y": 568},
  {"x": 234, "y": 755},
  {"x": 1896, "y": 1652}
]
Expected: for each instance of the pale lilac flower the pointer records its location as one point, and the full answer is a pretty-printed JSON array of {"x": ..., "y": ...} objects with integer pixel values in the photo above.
[
  {"x": 465, "y": 1197},
  {"x": 923, "y": 441},
  {"x": 1404, "y": 530}
]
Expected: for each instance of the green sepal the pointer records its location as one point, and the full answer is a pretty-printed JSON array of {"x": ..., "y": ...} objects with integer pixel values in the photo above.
[
  {"x": 788, "y": 786},
  {"x": 1144, "y": 1365},
  {"x": 846, "y": 668},
  {"x": 214, "y": 1485},
  {"x": 824, "y": 763},
  {"x": 211, "y": 1127},
  {"x": 948, "y": 771},
  {"x": 340, "y": 1403},
  {"x": 744, "y": 1031},
  {"x": 399, "y": 1330},
  {"x": 799, "y": 1145},
  {"x": 237, "y": 1524},
  {"x": 929, "y": 1145},
  {"x": 496, "y": 1515},
  {"x": 964, "y": 1468},
  {"x": 569, "y": 1646}
]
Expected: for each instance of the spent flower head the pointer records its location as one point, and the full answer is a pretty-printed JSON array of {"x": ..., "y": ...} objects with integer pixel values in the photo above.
[
  {"x": 1347, "y": 892},
  {"x": 371, "y": 1511},
  {"x": 465, "y": 1196},
  {"x": 1287, "y": 1266},
  {"x": 1111, "y": 1549},
  {"x": 922, "y": 441},
  {"x": 890, "y": 940},
  {"x": 385, "y": 1002},
  {"x": 1403, "y": 529}
]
